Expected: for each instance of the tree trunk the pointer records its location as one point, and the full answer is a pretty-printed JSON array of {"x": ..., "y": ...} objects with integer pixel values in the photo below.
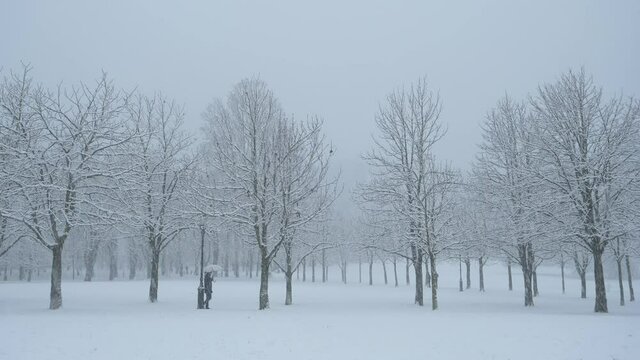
[
  {"x": 370, "y": 269},
  {"x": 133, "y": 263},
  {"x": 324, "y": 265},
  {"x": 226, "y": 264},
  {"x": 360, "y": 269},
  {"x": 304, "y": 269},
  {"x": 343, "y": 270},
  {"x": 216, "y": 250},
  {"x": 434, "y": 282},
  {"x": 288, "y": 299},
  {"x": 535, "y": 282},
  {"x": 427, "y": 274},
  {"x": 619, "y": 263},
  {"x": 263, "y": 301},
  {"x": 384, "y": 270},
  {"x": 258, "y": 267},
  {"x": 525, "y": 253},
  {"x": 395, "y": 271},
  {"x": 583, "y": 284},
  {"x": 113, "y": 260},
  {"x": 163, "y": 264},
  {"x": 55, "y": 298},
  {"x": 90, "y": 256},
  {"x": 153, "y": 283},
  {"x": 510, "y": 277},
  {"x": 467, "y": 264},
  {"x": 407, "y": 276},
  {"x": 601, "y": 295},
  {"x": 236, "y": 263},
  {"x": 313, "y": 269},
  {"x": 481, "y": 272},
  {"x": 631, "y": 296},
  {"x": 416, "y": 253},
  {"x": 562, "y": 273}
]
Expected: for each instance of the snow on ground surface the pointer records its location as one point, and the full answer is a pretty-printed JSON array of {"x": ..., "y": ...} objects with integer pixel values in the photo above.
[{"x": 113, "y": 320}]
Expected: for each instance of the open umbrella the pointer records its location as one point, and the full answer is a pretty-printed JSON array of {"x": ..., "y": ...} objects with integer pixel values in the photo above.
[{"x": 212, "y": 268}]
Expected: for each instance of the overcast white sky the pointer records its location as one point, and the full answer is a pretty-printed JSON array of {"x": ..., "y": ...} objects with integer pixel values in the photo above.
[{"x": 336, "y": 59}]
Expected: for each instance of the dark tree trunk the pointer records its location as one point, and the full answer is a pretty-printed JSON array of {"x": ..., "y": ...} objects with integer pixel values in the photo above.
[
  {"x": 216, "y": 250},
  {"x": 416, "y": 253},
  {"x": 236, "y": 263},
  {"x": 510, "y": 277},
  {"x": 29, "y": 274},
  {"x": 525, "y": 253},
  {"x": 226, "y": 264},
  {"x": 163, "y": 264},
  {"x": 384, "y": 271},
  {"x": 581, "y": 269},
  {"x": 562, "y": 273},
  {"x": 343, "y": 271},
  {"x": 467, "y": 264},
  {"x": 258, "y": 266},
  {"x": 324, "y": 265},
  {"x": 304, "y": 269},
  {"x": 55, "y": 298},
  {"x": 149, "y": 267},
  {"x": 153, "y": 283},
  {"x": 620, "y": 283},
  {"x": 370, "y": 269},
  {"x": 395, "y": 271},
  {"x": 631, "y": 296},
  {"x": 481, "y": 272},
  {"x": 288, "y": 299},
  {"x": 21, "y": 273},
  {"x": 263, "y": 301},
  {"x": 427, "y": 273},
  {"x": 313, "y": 269},
  {"x": 535, "y": 282},
  {"x": 601, "y": 295},
  {"x": 407, "y": 276},
  {"x": 90, "y": 256},
  {"x": 434, "y": 282},
  {"x": 250, "y": 264},
  {"x": 113, "y": 260},
  {"x": 326, "y": 273},
  {"x": 133, "y": 263},
  {"x": 583, "y": 285},
  {"x": 360, "y": 269}
]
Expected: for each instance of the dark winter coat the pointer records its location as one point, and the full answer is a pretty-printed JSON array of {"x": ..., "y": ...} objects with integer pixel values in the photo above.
[{"x": 208, "y": 282}]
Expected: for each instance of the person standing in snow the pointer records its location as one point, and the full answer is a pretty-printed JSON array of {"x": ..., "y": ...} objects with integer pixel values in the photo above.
[{"x": 208, "y": 285}]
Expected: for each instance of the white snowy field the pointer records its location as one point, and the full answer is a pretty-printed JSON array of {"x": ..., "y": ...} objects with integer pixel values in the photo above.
[{"x": 113, "y": 320}]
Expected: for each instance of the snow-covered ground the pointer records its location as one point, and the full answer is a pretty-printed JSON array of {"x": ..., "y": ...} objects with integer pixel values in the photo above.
[{"x": 113, "y": 320}]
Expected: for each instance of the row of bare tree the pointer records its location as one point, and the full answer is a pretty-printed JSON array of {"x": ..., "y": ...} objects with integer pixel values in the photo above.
[
  {"x": 95, "y": 163},
  {"x": 557, "y": 177}
]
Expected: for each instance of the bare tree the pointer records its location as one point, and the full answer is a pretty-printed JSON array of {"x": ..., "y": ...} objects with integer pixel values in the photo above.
[
  {"x": 503, "y": 185},
  {"x": 159, "y": 163},
  {"x": 584, "y": 141},
  {"x": 408, "y": 128},
  {"x": 241, "y": 135},
  {"x": 63, "y": 142}
]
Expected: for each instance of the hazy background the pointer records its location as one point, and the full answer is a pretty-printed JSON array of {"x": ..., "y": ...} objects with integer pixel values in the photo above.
[{"x": 336, "y": 59}]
